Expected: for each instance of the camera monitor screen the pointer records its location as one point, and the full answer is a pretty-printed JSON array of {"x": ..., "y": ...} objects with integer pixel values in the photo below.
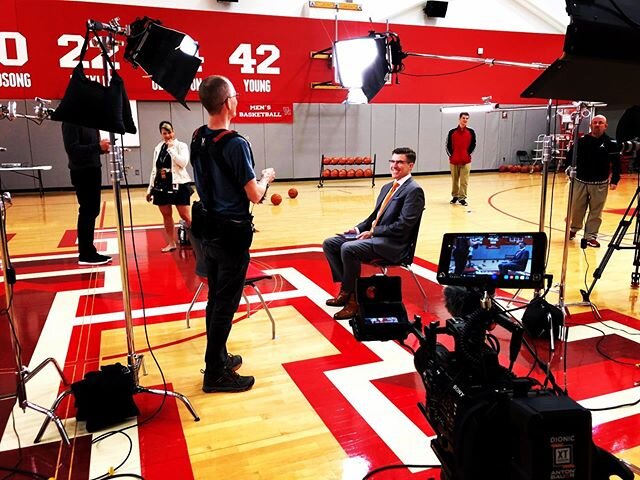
[{"x": 493, "y": 260}]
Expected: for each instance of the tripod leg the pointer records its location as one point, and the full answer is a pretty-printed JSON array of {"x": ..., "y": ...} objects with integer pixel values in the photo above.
[
  {"x": 615, "y": 243},
  {"x": 635, "y": 275},
  {"x": 169, "y": 393}
]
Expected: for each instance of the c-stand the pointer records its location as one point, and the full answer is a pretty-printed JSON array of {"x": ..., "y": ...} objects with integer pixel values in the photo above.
[
  {"x": 23, "y": 374},
  {"x": 116, "y": 160}
]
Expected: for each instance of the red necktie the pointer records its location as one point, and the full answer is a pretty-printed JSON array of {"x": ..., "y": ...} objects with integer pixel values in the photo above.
[{"x": 385, "y": 202}]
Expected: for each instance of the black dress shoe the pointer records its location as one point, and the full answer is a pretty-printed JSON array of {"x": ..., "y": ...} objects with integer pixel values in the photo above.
[
  {"x": 349, "y": 311},
  {"x": 339, "y": 301}
]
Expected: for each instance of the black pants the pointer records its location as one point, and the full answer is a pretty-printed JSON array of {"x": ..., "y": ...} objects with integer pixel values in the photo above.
[
  {"x": 87, "y": 183},
  {"x": 226, "y": 273}
]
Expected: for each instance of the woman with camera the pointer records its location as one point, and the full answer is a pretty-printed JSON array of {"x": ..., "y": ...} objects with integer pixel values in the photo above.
[{"x": 169, "y": 182}]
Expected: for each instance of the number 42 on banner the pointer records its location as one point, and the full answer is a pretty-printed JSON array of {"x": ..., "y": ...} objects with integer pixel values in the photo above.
[{"x": 243, "y": 55}]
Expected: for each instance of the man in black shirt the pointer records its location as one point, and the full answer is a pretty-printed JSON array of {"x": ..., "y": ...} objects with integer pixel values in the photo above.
[
  {"x": 598, "y": 159},
  {"x": 84, "y": 147}
]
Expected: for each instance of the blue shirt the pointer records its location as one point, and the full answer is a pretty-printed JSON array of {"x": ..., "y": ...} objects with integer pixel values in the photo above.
[{"x": 223, "y": 195}]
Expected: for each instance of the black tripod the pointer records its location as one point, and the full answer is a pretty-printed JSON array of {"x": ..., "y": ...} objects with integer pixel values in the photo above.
[{"x": 616, "y": 244}]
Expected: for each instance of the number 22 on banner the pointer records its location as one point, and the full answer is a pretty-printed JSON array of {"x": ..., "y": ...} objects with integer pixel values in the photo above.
[{"x": 243, "y": 55}]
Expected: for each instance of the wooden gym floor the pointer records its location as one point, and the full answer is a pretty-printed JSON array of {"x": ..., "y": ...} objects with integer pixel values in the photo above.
[{"x": 324, "y": 406}]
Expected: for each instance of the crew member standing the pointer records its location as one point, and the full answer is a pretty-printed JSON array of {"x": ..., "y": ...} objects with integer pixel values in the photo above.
[
  {"x": 597, "y": 171},
  {"x": 84, "y": 147},
  {"x": 224, "y": 174},
  {"x": 461, "y": 142}
]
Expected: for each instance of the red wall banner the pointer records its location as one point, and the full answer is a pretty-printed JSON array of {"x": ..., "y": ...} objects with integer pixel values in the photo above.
[{"x": 268, "y": 58}]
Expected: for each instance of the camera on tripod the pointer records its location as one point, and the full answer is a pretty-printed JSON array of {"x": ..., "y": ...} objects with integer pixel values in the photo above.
[{"x": 489, "y": 422}]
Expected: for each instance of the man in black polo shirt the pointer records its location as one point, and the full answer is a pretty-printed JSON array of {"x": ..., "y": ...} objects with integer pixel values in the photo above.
[
  {"x": 84, "y": 147},
  {"x": 598, "y": 159}
]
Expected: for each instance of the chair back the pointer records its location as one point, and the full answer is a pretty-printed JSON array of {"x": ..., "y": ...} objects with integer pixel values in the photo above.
[{"x": 410, "y": 252}]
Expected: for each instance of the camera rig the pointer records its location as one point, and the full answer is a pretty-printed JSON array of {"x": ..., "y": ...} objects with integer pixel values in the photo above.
[{"x": 489, "y": 423}]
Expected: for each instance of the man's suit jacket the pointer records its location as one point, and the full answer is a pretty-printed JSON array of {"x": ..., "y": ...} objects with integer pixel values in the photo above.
[{"x": 392, "y": 234}]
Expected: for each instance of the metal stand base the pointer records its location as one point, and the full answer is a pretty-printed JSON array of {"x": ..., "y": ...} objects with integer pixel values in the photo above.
[
  {"x": 23, "y": 377},
  {"x": 138, "y": 389}
]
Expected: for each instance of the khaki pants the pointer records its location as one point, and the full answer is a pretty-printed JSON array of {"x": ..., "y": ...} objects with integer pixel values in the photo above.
[
  {"x": 592, "y": 196},
  {"x": 459, "y": 180}
]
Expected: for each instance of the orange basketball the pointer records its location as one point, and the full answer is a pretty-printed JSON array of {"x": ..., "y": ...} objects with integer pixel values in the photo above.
[
  {"x": 342, "y": 173},
  {"x": 334, "y": 173},
  {"x": 276, "y": 199},
  {"x": 351, "y": 173},
  {"x": 326, "y": 173},
  {"x": 326, "y": 161},
  {"x": 503, "y": 168},
  {"x": 342, "y": 160},
  {"x": 351, "y": 160},
  {"x": 366, "y": 160},
  {"x": 514, "y": 169},
  {"x": 358, "y": 160},
  {"x": 359, "y": 173},
  {"x": 333, "y": 161},
  {"x": 525, "y": 168},
  {"x": 368, "y": 172},
  {"x": 293, "y": 193}
]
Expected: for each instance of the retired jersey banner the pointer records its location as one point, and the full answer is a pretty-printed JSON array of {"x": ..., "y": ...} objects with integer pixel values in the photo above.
[{"x": 268, "y": 58}]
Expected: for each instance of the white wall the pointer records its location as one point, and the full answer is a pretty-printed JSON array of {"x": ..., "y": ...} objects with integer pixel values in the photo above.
[{"x": 538, "y": 16}]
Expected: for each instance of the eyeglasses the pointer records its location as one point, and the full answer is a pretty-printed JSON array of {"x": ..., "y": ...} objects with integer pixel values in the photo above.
[
  {"x": 397, "y": 162},
  {"x": 230, "y": 96}
]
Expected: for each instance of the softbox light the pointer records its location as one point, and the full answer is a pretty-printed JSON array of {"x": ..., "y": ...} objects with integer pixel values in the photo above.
[
  {"x": 361, "y": 63},
  {"x": 601, "y": 43},
  {"x": 165, "y": 54}
]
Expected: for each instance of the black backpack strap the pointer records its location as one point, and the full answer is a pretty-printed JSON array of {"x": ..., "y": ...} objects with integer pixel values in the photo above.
[{"x": 213, "y": 146}]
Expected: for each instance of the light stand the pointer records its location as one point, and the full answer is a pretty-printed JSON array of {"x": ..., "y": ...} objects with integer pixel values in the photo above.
[
  {"x": 134, "y": 360},
  {"x": 580, "y": 113},
  {"x": 23, "y": 374}
]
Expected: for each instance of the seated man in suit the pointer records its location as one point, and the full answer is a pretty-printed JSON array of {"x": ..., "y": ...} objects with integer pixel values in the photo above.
[
  {"x": 386, "y": 233},
  {"x": 518, "y": 263}
]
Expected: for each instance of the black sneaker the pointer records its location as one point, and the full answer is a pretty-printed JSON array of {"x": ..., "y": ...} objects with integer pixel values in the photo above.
[
  {"x": 463, "y": 202},
  {"x": 572, "y": 235},
  {"x": 234, "y": 362},
  {"x": 453, "y": 200},
  {"x": 95, "y": 259},
  {"x": 226, "y": 381}
]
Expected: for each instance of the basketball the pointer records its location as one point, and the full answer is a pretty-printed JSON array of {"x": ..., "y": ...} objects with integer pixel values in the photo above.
[
  {"x": 525, "y": 169},
  {"x": 276, "y": 199},
  {"x": 293, "y": 193},
  {"x": 503, "y": 168}
]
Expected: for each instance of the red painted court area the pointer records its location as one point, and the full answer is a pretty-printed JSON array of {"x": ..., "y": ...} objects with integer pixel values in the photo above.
[{"x": 600, "y": 362}]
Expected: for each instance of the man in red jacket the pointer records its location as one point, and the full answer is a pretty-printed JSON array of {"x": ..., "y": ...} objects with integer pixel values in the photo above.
[{"x": 461, "y": 142}]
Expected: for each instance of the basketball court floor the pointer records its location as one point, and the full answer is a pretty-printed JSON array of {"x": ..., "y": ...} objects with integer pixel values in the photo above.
[{"x": 324, "y": 406}]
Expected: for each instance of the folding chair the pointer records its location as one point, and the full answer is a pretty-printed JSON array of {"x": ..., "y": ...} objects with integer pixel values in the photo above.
[
  {"x": 405, "y": 261},
  {"x": 254, "y": 275}
]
